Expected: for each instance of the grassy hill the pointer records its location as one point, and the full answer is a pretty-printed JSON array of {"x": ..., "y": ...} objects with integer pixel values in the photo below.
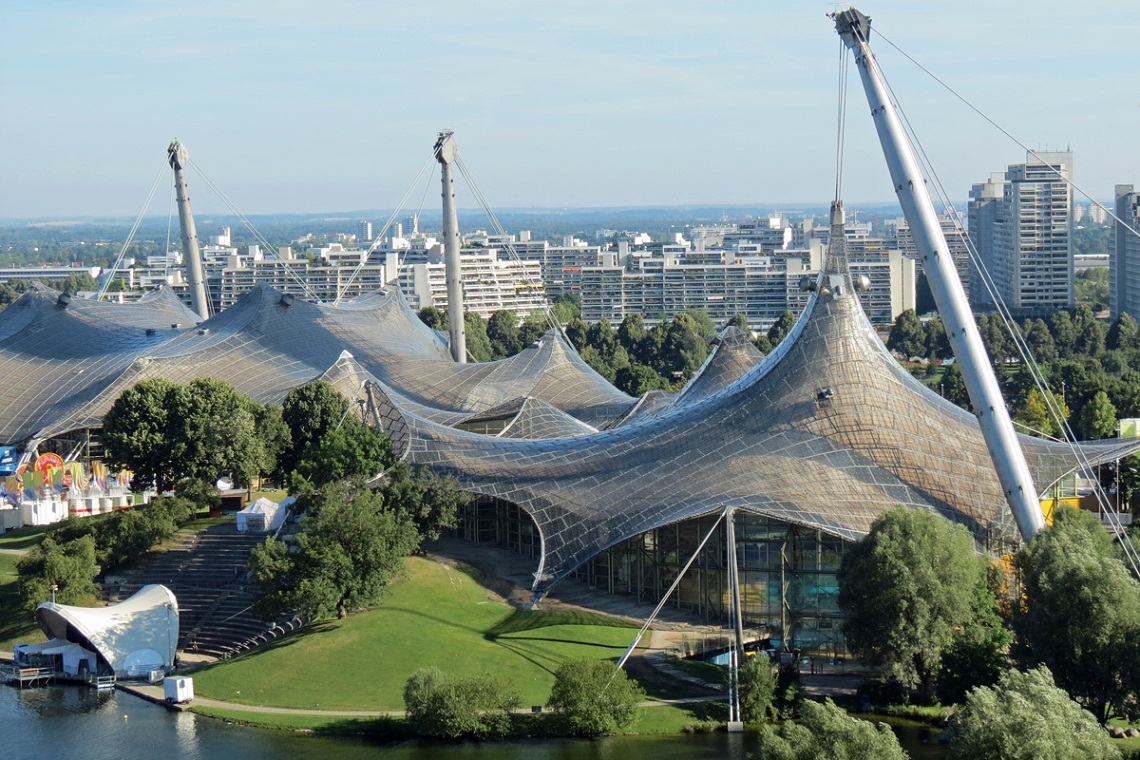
[{"x": 435, "y": 616}]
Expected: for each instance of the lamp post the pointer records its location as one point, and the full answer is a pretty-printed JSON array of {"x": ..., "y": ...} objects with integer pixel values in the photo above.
[{"x": 54, "y": 588}]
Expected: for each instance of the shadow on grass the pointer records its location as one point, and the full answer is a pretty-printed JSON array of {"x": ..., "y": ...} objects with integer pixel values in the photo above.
[
  {"x": 521, "y": 620},
  {"x": 23, "y": 539},
  {"x": 280, "y": 642}
]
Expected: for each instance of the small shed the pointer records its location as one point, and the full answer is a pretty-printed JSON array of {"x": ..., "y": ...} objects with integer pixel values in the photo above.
[{"x": 263, "y": 515}]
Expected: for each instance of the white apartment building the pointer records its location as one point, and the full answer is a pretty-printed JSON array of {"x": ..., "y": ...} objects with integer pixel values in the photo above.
[
  {"x": 491, "y": 282},
  {"x": 956, "y": 240},
  {"x": 1023, "y": 235}
]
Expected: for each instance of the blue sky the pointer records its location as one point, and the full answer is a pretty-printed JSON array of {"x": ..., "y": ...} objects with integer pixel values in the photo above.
[{"x": 295, "y": 106}]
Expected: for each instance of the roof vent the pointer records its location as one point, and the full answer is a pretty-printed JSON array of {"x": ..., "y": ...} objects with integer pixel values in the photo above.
[
  {"x": 175, "y": 325},
  {"x": 150, "y": 331},
  {"x": 203, "y": 330},
  {"x": 286, "y": 299},
  {"x": 63, "y": 300}
]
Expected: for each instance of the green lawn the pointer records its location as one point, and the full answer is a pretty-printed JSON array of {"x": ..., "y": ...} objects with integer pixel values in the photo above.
[
  {"x": 436, "y": 616},
  {"x": 17, "y": 625},
  {"x": 23, "y": 538}
]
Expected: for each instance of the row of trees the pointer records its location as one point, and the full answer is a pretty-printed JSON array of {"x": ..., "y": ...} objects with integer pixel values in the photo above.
[
  {"x": 919, "y": 601},
  {"x": 73, "y": 554},
  {"x": 589, "y": 698}
]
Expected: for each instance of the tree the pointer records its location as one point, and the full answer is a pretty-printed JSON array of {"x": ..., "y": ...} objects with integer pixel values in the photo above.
[
  {"x": 566, "y": 307},
  {"x": 996, "y": 338},
  {"x": 430, "y": 501},
  {"x": 68, "y": 565},
  {"x": 757, "y": 688},
  {"x": 906, "y": 588},
  {"x": 937, "y": 343},
  {"x": 593, "y": 697},
  {"x": 976, "y": 655},
  {"x": 1124, "y": 334},
  {"x": 1080, "y": 614},
  {"x": 445, "y": 707},
  {"x": 1026, "y": 717},
  {"x": 740, "y": 322},
  {"x": 217, "y": 433},
  {"x": 781, "y": 328},
  {"x": 478, "y": 344},
  {"x": 953, "y": 386},
  {"x": 1064, "y": 332},
  {"x": 434, "y": 318},
  {"x": 141, "y": 431},
  {"x": 1039, "y": 340},
  {"x": 1097, "y": 418},
  {"x": 349, "y": 551},
  {"x": 309, "y": 411},
  {"x": 1037, "y": 415},
  {"x": 1090, "y": 331},
  {"x": 907, "y": 336},
  {"x": 637, "y": 379},
  {"x": 826, "y": 732},
  {"x": 503, "y": 332},
  {"x": 275, "y": 437},
  {"x": 348, "y": 451}
]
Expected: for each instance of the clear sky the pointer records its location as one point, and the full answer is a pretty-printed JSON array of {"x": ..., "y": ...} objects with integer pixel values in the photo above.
[{"x": 300, "y": 106}]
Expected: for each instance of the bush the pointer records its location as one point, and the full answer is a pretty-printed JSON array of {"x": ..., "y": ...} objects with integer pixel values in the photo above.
[
  {"x": 444, "y": 707},
  {"x": 757, "y": 689},
  {"x": 69, "y": 566},
  {"x": 593, "y": 697},
  {"x": 826, "y": 732}
]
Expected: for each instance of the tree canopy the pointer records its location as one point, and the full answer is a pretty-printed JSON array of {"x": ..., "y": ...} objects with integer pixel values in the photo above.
[
  {"x": 593, "y": 697},
  {"x": 827, "y": 732},
  {"x": 905, "y": 589}
]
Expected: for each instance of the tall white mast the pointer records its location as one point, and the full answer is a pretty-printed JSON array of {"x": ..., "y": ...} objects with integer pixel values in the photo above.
[
  {"x": 446, "y": 153},
  {"x": 969, "y": 351},
  {"x": 178, "y": 157}
]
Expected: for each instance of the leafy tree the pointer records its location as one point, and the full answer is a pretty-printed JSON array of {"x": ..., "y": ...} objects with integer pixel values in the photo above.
[
  {"x": 598, "y": 363},
  {"x": 1035, "y": 414},
  {"x": 826, "y": 732},
  {"x": 446, "y": 707},
  {"x": 533, "y": 328},
  {"x": 1124, "y": 333},
  {"x": 566, "y": 307},
  {"x": 1064, "y": 332},
  {"x": 351, "y": 450},
  {"x": 686, "y": 346},
  {"x": 140, "y": 431},
  {"x": 349, "y": 551},
  {"x": 593, "y": 697},
  {"x": 1080, "y": 614},
  {"x": 218, "y": 433},
  {"x": 430, "y": 501},
  {"x": 907, "y": 336},
  {"x": 996, "y": 338},
  {"x": 906, "y": 588},
  {"x": 740, "y": 322},
  {"x": 274, "y": 434},
  {"x": 953, "y": 386},
  {"x": 937, "y": 343},
  {"x": 309, "y": 411},
  {"x": 637, "y": 379},
  {"x": 478, "y": 344},
  {"x": 1039, "y": 340},
  {"x": 763, "y": 344},
  {"x": 1090, "y": 339},
  {"x": 1098, "y": 417},
  {"x": 631, "y": 333},
  {"x": 70, "y": 566},
  {"x": 434, "y": 318},
  {"x": 976, "y": 655},
  {"x": 503, "y": 332},
  {"x": 757, "y": 689},
  {"x": 781, "y": 328},
  {"x": 1026, "y": 717}
]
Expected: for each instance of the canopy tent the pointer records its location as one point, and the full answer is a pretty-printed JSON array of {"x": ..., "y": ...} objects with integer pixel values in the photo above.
[
  {"x": 131, "y": 638},
  {"x": 263, "y": 515}
]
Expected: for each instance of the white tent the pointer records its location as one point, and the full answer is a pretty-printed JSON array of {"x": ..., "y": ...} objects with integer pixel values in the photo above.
[
  {"x": 263, "y": 515},
  {"x": 133, "y": 637}
]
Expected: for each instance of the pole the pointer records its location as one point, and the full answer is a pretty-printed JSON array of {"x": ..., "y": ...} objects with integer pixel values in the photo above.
[
  {"x": 737, "y": 651},
  {"x": 969, "y": 350},
  {"x": 178, "y": 158},
  {"x": 446, "y": 153}
]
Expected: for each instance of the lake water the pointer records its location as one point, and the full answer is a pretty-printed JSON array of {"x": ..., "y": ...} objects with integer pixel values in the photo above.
[{"x": 65, "y": 722}]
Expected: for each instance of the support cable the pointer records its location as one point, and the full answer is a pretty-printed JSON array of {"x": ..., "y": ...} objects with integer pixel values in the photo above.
[
  {"x": 672, "y": 588},
  {"x": 841, "y": 127},
  {"x": 169, "y": 229},
  {"x": 130, "y": 237},
  {"x": 303, "y": 282},
  {"x": 375, "y": 243},
  {"x": 547, "y": 312}
]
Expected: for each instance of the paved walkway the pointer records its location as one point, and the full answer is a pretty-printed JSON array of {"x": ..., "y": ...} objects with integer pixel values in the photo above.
[{"x": 17, "y": 552}]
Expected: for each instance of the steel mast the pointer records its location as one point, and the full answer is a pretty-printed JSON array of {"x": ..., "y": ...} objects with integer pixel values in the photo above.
[
  {"x": 446, "y": 152},
  {"x": 969, "y": 351},
  {"x": 178, "y": 157}
]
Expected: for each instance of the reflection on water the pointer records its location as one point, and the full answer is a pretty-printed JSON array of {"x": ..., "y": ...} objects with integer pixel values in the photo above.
[{"x": 72, "y": 722}]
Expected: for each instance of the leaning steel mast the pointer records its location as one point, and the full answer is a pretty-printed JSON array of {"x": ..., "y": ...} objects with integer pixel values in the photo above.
[
  {"x": 446, "y": 152},
  {"x": 969, "y": 351},
  {"x": 178, "y": 157}
]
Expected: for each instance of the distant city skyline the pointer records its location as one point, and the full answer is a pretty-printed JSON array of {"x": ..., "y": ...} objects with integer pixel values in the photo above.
[{"x": 295, "y": 108}]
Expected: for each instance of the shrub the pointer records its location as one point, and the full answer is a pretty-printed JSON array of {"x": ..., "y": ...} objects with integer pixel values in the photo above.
[
  {"x": 826, "y": 732},
  {"x": 445, "y": 707},
  {"x": 757, "y": 689},
  {"x": 593, "y": 697}
]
